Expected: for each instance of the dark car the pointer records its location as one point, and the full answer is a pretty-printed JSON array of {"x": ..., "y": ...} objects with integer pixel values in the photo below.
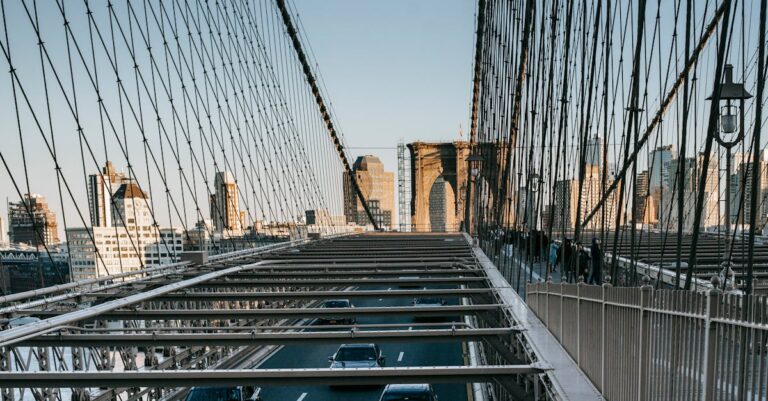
[
  {"x": 357, "y": 356},
  {"x": 337, "y": 303},
  {"x": 247, "y": 393},
  {"x": 428, "y": 302},
  {"x": 404, "y": 284},
  {"x": 408, "y": 392}
]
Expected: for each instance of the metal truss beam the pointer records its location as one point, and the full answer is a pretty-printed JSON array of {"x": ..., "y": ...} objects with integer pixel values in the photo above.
[
  {"x": 272, "y": 377},
  {"x": 254, "y": 338},
  {"x": 300, "y": 271},
  {"x": 218, "y": 314},
  {"x": 254, "y": 296},
  {"x": 358, "y": 283},
  {"x": 266, "y": 328}
]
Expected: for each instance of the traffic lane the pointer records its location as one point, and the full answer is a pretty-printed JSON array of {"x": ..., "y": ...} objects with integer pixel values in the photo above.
[{"x": 397, "y": 354}]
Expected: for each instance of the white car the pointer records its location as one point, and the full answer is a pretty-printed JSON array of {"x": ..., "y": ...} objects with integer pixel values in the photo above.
[
  {"x": 357, "y": 356},
  {"x": 408, "y": 392}
]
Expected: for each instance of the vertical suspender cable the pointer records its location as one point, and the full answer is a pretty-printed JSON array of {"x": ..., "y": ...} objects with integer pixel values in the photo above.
[{"x": 756, "y": 145}]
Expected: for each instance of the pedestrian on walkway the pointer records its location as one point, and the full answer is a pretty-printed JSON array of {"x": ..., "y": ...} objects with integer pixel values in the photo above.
[
  {"x": 583, "y": 262},
  {"x": 596, "y": 271},
  {"x": 568, "y": 259},
  {"x": 554, "y": 256}
]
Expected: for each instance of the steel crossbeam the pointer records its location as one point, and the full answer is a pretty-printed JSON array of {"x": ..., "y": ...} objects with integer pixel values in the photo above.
[
  {"x": 256, "y": 338},
  {"x": 169, "y": 314},
  {"x": 408, "y": 279},
  {"x": 247, "y": 296},
  {"x": 277, "y": 377}
]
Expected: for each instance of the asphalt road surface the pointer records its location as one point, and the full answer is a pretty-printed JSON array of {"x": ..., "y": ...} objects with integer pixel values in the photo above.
[{"x": 397, "y": 354}]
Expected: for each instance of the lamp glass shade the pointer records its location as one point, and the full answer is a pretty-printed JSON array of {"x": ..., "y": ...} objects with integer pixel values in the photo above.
[{"x": 729, "y": 119}]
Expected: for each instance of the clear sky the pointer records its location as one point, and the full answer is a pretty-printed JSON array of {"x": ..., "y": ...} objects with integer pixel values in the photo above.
[{"x": 396, "y": 69}]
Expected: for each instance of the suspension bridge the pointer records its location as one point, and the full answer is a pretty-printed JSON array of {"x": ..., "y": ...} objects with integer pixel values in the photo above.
[{"x": 203, "y": 182}]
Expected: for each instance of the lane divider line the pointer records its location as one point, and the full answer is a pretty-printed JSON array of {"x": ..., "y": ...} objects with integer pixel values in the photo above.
[{"x": 302, "y": 397}]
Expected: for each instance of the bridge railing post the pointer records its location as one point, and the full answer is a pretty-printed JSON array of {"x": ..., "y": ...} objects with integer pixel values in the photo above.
[
  {"x": 603, "y": 333},
  {"x": 710, "y": 343},
  {"x": 646, "y": 294},
  {"x": 560, "y": 312},
  {"x": 547, "y": 295},
  {"x": 578, "y": 322}
]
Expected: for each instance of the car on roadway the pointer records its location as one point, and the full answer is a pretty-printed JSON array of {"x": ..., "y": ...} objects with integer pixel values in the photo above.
[
  {"x": 428, "y": 301},
  {"x": 337, "y": 303},
  {"x": 406, "y": 284},
  {"x": 408, "y": 392},
  {"x": 357, "y": 356},
  {"x": 21, "y": 321},
  {"x": 241, "y": 393}
]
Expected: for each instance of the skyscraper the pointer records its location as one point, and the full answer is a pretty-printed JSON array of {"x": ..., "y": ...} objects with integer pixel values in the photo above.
[
  {"x": 659, "y": 167},
  {"x": 31, "y": 222},
  {"x": 710, "y": 207},
  {"x": 130, "y": 243},
  {"x": 742, "y": 163},
  {"x": 567, "y": 200},
  {"x": 378, "y": 188},
  {"x": 3, "y": 234},
  {"x": 594, "y": 152},
  {"x": 224, "y": 206},
  {"x": 101, "y": 187},
  {"x": 644, "y": 203}
]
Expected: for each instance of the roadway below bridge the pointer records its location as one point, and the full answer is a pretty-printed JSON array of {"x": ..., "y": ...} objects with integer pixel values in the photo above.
[{"x": 401, "y": 354}]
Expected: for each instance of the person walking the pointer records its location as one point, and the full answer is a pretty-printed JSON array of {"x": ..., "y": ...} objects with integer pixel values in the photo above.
[
  {"x": 596, "y": 269},
  {"x": 582, "y": 269},
  {"x": 554, "y": 256}
]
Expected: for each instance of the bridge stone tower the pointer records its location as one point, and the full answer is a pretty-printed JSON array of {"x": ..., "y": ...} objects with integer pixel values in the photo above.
[{"x": 438, "y": 185}]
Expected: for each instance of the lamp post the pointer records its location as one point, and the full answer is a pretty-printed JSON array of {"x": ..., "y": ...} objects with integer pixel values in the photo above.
[
  {"x": 533, "y": 187},
  {"x": 473, "y": 162},
  {"x": 730, "y": 133}
]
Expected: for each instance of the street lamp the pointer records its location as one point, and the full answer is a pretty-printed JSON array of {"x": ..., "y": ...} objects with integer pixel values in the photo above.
[
  {"x": 533, "y": 187},
  {"x": 474, "y": 165},
  {"x": 730, "y": 133},
  {"x": 473, "y": 162}
]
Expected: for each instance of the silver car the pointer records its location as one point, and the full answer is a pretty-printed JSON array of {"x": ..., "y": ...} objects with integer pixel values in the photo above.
[
  {"x": 337, "y": 304},
  {"x": 357, "y": 356},
  {"x": 408, "y": 392}
]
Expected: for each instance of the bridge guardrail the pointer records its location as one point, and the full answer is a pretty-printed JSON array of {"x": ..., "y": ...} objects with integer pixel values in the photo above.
[{"x": 641, "y": 344}]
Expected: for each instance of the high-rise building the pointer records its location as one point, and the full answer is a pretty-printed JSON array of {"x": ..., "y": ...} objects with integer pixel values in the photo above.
[
  {"x": 322, "y": 217},
  {"x": 710, "y": 207},
  {"x": 659, "y": 170},
  {"x": 740, "y": 202},
  {"x": 378, "y": 188},
  {"x": 644, "y": 202},
  {"x": 224, "y": 205},
  {"x": 101, "y": 188},
  {"x": 31, "y": 222},
  {"x": 594, "y": 152},
  {"x": 3, "y": 233},
  {"x": 403, "y": 188},
  {"x": 567, "y": 200},
  {"x": 132, "y": 242},
  {"x": 525, "y": 212}
]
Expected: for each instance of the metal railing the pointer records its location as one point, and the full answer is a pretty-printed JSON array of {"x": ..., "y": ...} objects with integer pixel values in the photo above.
[{"x": 645, "y": 344}]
